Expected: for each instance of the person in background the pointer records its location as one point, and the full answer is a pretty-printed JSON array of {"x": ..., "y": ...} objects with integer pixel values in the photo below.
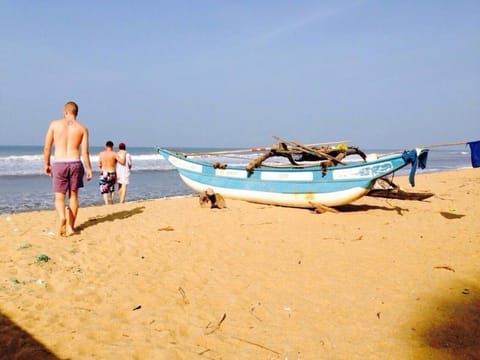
[
  {"x": 124, "y": 165},
  {"x": 70, "y": 141},
  {"x": 107, "y": 162}
]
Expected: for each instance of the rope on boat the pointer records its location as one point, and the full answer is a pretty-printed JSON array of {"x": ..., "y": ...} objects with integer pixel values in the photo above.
[
  {"x": 445, "y": 144},
  {"x": 252, "y": 149},
  {"x": 306, "y": 155},
  {"x": 454, "y": 143}
]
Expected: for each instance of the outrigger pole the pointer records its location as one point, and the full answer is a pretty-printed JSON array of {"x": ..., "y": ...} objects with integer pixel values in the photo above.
[
  {"x": 444, "y": 144},
  {"x": 474, "y": 149},
  {"x": 256, "y": 148}
]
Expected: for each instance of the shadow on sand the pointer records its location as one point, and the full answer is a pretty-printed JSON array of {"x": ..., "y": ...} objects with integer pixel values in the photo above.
[
  {"x": 364, "y": 207},
  {"x": 119, "y": 215},
  {"x": 452, "y": 328},
  {"x": 17, "y": 344}
]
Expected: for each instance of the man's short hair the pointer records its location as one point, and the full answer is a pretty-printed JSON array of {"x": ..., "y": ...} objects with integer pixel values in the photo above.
[
  {"x": 122, "y": 146},
  {"x": 71, "y": 108},
  {"x": 109, "y": 144}
]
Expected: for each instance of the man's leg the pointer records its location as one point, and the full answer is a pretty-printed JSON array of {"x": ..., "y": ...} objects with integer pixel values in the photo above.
[
  {"x": 72, "y": 211},
  {"x": 60, "y": 207}
]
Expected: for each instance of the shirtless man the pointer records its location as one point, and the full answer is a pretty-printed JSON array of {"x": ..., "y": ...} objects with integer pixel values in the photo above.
[
  {"x": 70, "y": 140},
  {"x": 107, "y": 162}
]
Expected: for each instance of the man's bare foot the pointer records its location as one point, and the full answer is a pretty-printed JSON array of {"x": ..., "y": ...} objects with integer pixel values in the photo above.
[
  {"x": 62, "y": 230},
  {"x": 70, "y": 229}
]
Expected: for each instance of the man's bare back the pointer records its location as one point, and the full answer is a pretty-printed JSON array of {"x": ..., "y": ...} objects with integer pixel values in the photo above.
[
  {"x": 107, "y": 160},
  {"x": 70, "y": 139}
]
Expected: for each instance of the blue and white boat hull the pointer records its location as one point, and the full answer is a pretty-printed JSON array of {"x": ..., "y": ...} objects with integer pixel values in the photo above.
[{"x": 303, "y": 187}]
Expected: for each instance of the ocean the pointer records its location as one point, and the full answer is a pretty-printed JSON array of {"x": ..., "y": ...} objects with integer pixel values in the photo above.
[{"x": 24, "y": 187}]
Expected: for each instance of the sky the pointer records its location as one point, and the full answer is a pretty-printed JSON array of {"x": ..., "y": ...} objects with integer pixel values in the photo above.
[{"x": 223, "y": 73}]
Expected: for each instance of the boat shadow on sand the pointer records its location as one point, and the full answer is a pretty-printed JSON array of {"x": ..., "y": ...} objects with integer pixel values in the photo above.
[
  {"x": 119, "y": 215},
  {"x": 364, "y": 207}
]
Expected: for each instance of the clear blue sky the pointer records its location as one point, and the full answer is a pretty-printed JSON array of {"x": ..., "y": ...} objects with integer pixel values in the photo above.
[{"x": 233, "y": 73}]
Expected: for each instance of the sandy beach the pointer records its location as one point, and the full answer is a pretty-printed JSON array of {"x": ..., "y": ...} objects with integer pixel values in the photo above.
[{"x": 168, "y": 279}]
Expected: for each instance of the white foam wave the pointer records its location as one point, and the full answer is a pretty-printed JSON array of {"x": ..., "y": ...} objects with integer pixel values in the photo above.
[{"x": 32, "y": 164}]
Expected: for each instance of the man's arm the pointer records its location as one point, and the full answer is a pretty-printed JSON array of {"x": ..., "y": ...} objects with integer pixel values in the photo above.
[
  {"x": 86, "y": 155},
  {"x": 47, "y": 149},
  {"x": 121, "y": 158}
]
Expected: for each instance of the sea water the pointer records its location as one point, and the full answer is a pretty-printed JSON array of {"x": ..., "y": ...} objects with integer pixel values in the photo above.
[{"x": 24, "y": 187}]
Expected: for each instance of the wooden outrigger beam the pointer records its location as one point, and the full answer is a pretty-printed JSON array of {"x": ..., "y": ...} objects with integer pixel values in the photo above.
[
  {"x": 326, "y": 156},
  {"x": 309, "y": 150}
]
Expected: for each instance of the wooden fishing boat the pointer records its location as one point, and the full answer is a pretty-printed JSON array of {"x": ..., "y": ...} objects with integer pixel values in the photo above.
[{"x": 312, "y": 177}]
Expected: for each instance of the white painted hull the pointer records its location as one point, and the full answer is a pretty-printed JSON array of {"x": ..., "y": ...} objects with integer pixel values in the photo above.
[{"x": 292, "y": 200}]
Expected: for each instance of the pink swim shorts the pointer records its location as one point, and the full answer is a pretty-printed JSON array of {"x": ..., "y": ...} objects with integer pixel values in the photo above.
[{"x": 67, "y": 175}]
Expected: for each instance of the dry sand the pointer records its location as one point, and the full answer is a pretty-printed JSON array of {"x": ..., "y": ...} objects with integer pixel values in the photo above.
[{"x": 167, "y": 279}]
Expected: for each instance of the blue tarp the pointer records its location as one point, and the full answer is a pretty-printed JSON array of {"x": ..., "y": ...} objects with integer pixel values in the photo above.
[{"x": 475, "y": 153}]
